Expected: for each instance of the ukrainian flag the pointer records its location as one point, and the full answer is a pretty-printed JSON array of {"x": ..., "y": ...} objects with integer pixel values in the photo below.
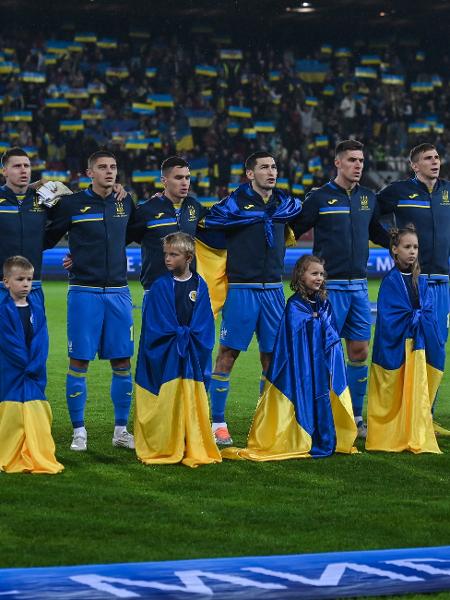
[
  {"x": 56, "y": 103},
  {"x": 307, "y": 179},
  {"x": 6, "y": 68},
  {"x": 31, "y": 151},
  {"x": 230, "y": 54},
  {"x": 136, "y": 144},
  {"x": 143, "y": 108},
  {"x": 75, "y": 47},
  {"x": 107, "y": 43},
  {"x": 150, "y": 72},
  {"x": 422, "y": 87},
  {"x": 439, "y": 127},
  {"x": 305, "y": 409},
  {"x": 84, "y": 182},
  {"x": 38, "y": 165},
  {"x": 311, "y": 101},
  {"x": 298, "y": 189},
  {"x": 282, "y": 183},
  {"x": 265, "y": 126},
  {"x": 161, "y": 100},
  {"x": 77, "y": 93},
  {"x": 231, "y": 187},
  {"x": 86, "y": 37},
  {"x": 71, "y": 125},
  {"x": 237, "y": 169},
  {"x": 199, "y": 117},
  {"x": 233, "y": 128},
  {"x": 321, "y": 141},
  {"x": 314, "y": 164},
  {"x": 249, "y": 133},
  {"x": 343, "y": 53},
  {"x": 208, "y": 201},
  {"x": 203, "y": 182},
  {"x": 418, "y": 128},
  {"x": 436, "y": 80},
  {"x": 4, "y": 146},
  {"x": 207, "y": 94},
  {"x": 145, "y": 176},
  {"x": 63, "y": 176},
  {"x": 118, "y": 72},
  {"x": 57, "y": 47},
  {"x": 274, "y": 75},
  {"x": 407, "y": 367},
  {"x": 240, "y": 112},
  {"x": 206, "y": 71},
  {"x": 172, "y": 377},
  {"x": 185, "y": 141},
  {"x": 93, "y": 114},
  {"x": 328, "y": 90},
  {"x": 199, "y": 167},
  {"x": 33, "y": 77},
  {"x": 366, "y": 73},
  {"x": 312, "y": 71},
  {"x": 390, "y": 79},
  {"x": 370, "y": 59},
  {"x": 18, "y": 115},
  {"x": 96, "y": 88},
  {"x": 26, "y": 445}
]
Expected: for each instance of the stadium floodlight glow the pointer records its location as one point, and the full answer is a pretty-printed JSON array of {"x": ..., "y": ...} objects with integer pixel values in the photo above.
[
  {"x": 301, "y": 9},
  {"x": 306, "y": 4}
]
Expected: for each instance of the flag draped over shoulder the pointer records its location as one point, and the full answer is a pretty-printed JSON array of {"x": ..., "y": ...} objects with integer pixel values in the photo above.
[
  {"x": 211, "y": 261},
  {"x": 228, "y": 214},
  {"x": 407, "y": 367},
  {"x": 172, "y": 375},
  {"x": 26, "y": 443},
  {"x": 305, "y": 409}
]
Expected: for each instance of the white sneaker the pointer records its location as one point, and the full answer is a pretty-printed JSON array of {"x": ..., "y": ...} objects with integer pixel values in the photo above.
[
  {"x": 79, "y": 441},
  {"x": 124, "y": 440}
]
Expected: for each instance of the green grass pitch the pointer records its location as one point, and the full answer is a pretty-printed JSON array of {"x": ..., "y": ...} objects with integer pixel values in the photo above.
[{"x": 107, "y": 507}]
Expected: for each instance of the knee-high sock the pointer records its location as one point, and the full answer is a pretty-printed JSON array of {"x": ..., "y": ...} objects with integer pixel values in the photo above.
[
  {"x": 76, "y": 395},
  {"x": 121, "y": 392},
  {"x": 218, "y": 392},
  {"x": 357, "y": 382},
  {"x": 262, "y": 382}
]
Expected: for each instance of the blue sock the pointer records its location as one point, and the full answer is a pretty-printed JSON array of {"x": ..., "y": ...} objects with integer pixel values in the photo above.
[
  {"x": 76, "y": 395},
  {"x": 357, "y": 383},
  {"x": 121, "y": 392},
  {"x": 218, "y": 392},
  {"x": 262, "y": 382}
]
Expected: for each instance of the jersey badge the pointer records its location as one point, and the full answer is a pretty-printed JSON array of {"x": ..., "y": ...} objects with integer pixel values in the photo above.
[
  {"x": 120, "y": 211},
  {"x": 85, "y": 209},
  {"x": 192, "y": 213},
  {"x": 36, "y": 206},
  {"x": 193, "y": 295},
  {"x": 445, "y": 199},
  {"x": 364, "y": 203}
]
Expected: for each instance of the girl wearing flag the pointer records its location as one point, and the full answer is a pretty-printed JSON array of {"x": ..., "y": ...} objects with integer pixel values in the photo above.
[
  {"x": 305, "y": 409},
  {"x": 408, "y": 355}
]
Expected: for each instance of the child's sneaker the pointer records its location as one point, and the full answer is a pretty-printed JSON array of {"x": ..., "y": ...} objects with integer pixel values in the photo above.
[
  {"x": 79, "y": 440},
  {"x": 123, "y": 440},
  {"x": 362, "y": 430},
  {"x": 222, "y": 436}
]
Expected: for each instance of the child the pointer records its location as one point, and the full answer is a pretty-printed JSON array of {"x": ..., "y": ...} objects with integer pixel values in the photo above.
[
  {"x": 26, "y": 443},
  {"x": 174, "y": 364},
  {"x": 408, "y": 356},
  {"x": 305, "y": 409}
]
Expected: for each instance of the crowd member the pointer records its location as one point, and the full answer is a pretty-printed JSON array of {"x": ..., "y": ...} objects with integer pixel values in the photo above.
[
  {"x": 174, "y": 364},
  {"x": 408, "y": 355},
  {"x": 424, "y": 201},
  {"x": 99, "y": 309},
  {"x": 344, "y": 216},
  {"x": 305, "y": 409},
  {"x": 254, "y": 218},
  {"x": 26, "y": 443}
]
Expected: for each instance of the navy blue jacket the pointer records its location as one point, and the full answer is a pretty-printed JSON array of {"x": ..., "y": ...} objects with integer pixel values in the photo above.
[
  {"x": 409, "y": 201},
  {"x": 154, "y": 219},
  {"x": 251, "y": 259},
  {"x": 97, "y": 236},
  {"x": 22, "y": 228},
  {"x": 343, "y": 224}
]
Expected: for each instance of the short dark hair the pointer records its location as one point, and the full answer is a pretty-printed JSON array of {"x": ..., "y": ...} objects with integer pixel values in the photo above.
[
  {"x": 417, "y": 150},
  {"x": 16, "y": 261},
  {"x": 99, "y": 154},
  {"x": 347, "y": 145},
  {"x": 250, "y": 162},
  {"x": 171, "y": 162},
  {"x": 15, "y": 151}
]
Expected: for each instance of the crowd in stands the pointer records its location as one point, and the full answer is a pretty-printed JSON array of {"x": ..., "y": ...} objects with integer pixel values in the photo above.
[{"x": 146, "y": 97}]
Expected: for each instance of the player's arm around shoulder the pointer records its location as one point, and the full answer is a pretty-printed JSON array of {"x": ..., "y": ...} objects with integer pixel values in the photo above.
[
  {"x": 59, "y": 219},
  {"x": 388, "y": 197}
]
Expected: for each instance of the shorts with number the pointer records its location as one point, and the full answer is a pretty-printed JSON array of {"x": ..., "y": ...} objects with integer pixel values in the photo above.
[
  {"x": 352, "y": 312},
  {"x": 248, "y": 311},
  {"x": 99, "y": 321}
]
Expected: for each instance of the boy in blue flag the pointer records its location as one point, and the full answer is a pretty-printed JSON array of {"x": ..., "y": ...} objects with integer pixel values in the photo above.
[
  {"x": 174, "y": 364},
  {"x": 26, "y": 443}
]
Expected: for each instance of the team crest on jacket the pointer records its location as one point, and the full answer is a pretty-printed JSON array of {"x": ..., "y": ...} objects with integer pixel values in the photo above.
[
  {"x": 193, "y": 295},
  {"x": 364, "y": 200},
  {"x": 120, "y": 211},
  {"x": 445, "y": 201},
  {"x": 192, "y": 216},
  {"x": 36, "y": 206}
]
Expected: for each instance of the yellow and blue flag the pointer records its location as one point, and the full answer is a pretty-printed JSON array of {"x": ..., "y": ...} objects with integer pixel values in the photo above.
[
  {"x": 76, "y": 125},
  {"x": 199, "y": 117},
  {"x": 107, "y": 43},
  {"x": 150, "y": 72},
  {"x": 172, "y": 377},
  {"x": 56, "y": 103},
  {"x": 407, "y": 367},
  {"x": 206, "y": 70},
  {"x": 391, "y": 79},
  {"x": 305, "y": 409},
  {"x": 311, "y": 71},
  {"x": 161, "y": 100},
  {"x": 18, "y": 115},
  {"x": 26, "y": 445},
  {"x": 143, "y": 108},
  {"x": 230, "y": 54},
  {"x": 33, "y": 77},
  {"x": 85, "y": 37},
  {"x": 185, "y": 141},
  {"x": 422, "y": 87},
  {"x": 145, "y": 176},
  {"x": 366, "y": 73},
  {"x": 265, "y": 126},
  {"x": 241, "y": 112}
]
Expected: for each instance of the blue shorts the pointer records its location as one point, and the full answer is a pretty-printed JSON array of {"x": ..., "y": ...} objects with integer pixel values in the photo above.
[
  {"x": 351, "y": 309},
  {"x": 99, "y": 321},
  {"x": 440, "y": 292},
  {"x": 36, "y": 295},
  {"x": 251, "y": 310}
]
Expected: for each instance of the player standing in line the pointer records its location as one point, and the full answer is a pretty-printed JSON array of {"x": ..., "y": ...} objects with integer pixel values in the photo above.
[
  {"x": 344, "y": 216},
  {"x": 424, "y": 201},
  {"x": 254, "y": 218},
  {"x": 99, "y": 309}
]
